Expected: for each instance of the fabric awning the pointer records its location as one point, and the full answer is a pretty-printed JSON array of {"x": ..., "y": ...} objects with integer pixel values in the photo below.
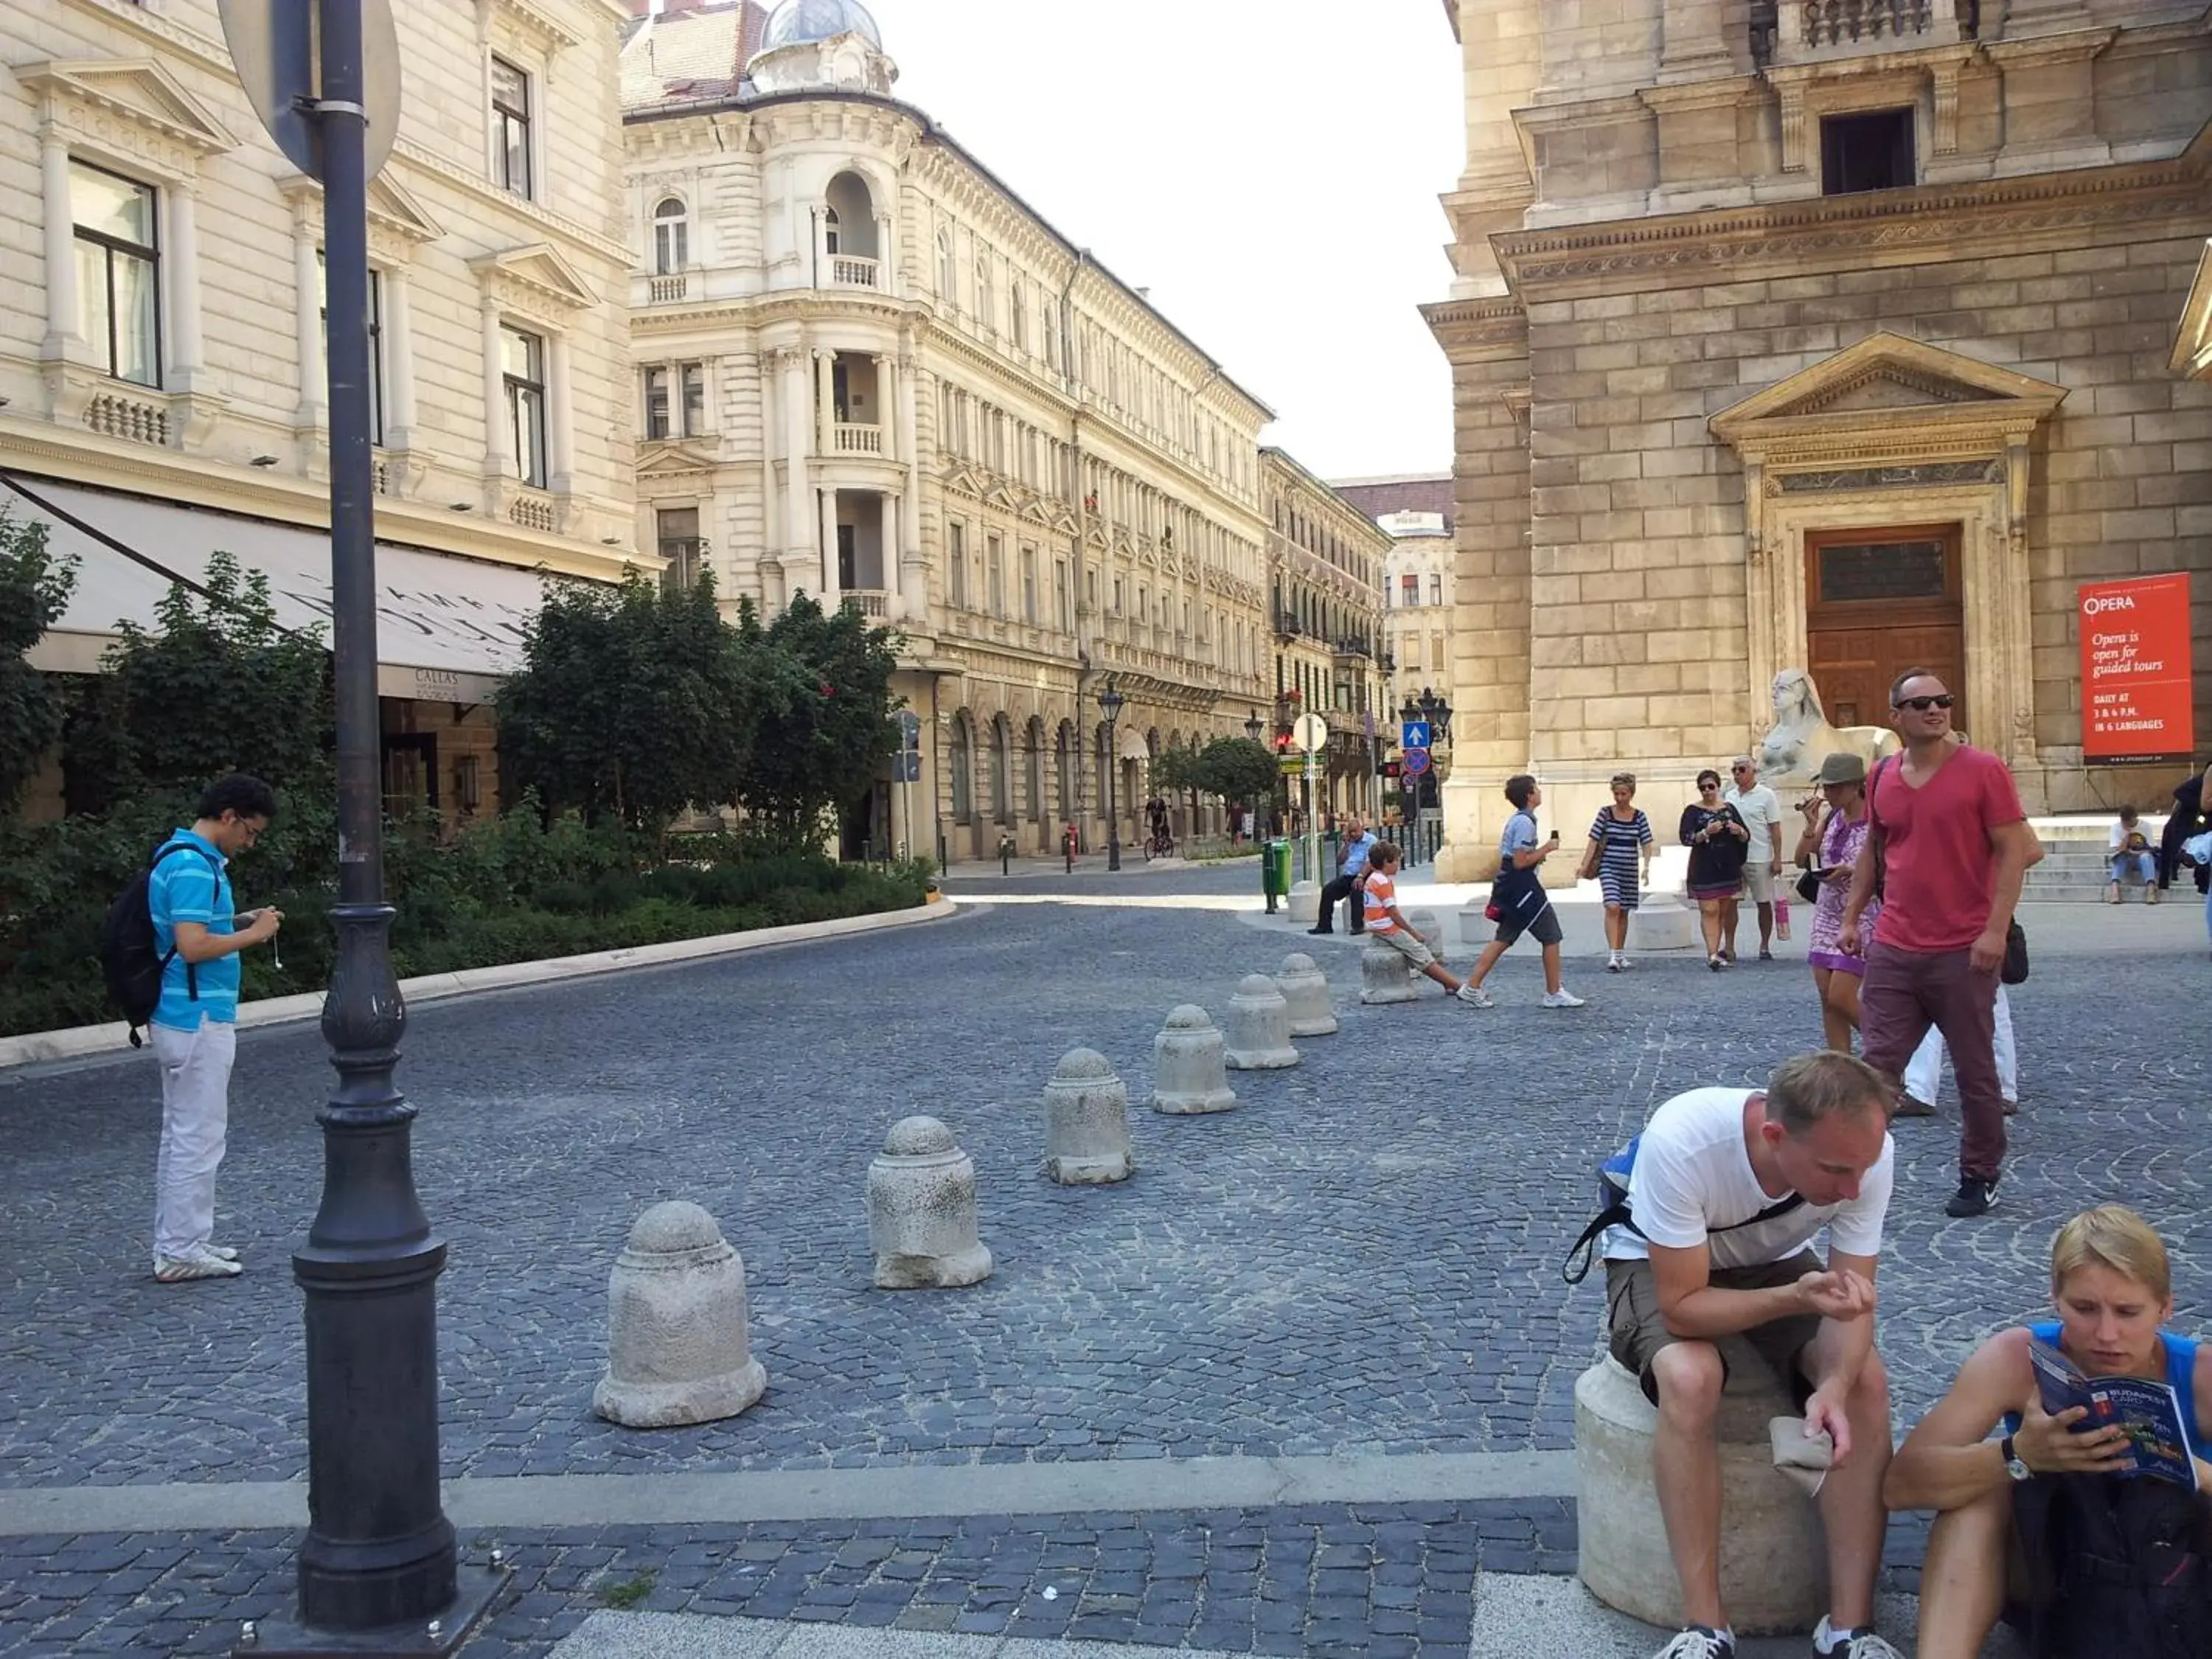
[{"x": 448, "y": 628}]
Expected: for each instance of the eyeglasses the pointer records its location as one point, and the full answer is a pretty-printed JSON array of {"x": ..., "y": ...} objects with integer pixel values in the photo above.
[
  {"x": 1739, "y": 769},
  {"x": 1922, "y": 705}
]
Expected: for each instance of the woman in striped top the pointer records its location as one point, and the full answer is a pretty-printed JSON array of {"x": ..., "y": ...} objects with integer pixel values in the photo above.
[{"x": 1620, "y": 849}]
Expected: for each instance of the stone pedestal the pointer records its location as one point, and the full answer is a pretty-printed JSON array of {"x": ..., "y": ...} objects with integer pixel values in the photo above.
[
  {"x": 1305, "y": 903},
  {"x": 1774, "y": 1561},
  {"x": 1661, "y": 924},
  {"x": 677, "y": 1348},
  {"x": 1259, "y": 1034},
  {"x": 1429, "y": 928},
  {"x": 1386, "y": 976},
  {"x": 922, "y": 1210},
  {"x": 1086, "y": 1118},
  {"x": 1189, "y": 1075},
  {"x": 1305, "y": 990}
]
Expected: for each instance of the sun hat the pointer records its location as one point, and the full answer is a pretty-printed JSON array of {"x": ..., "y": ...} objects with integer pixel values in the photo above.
[{"x": 1841, "y": 769}]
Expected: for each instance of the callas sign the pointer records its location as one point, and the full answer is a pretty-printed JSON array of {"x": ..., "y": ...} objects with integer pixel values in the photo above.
[{"x": 2136, "y": 677}]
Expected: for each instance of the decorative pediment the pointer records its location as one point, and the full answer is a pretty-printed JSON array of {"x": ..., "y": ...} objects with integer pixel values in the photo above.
[
  {"x": 522, "y": 23},
  {"x": 674, "y": 459},
  {"x": 534, "y": 277},
  {"x": 1887, "y": 384},
  {"x": 963, "y": 480},
  {"x": 397, "y": 219},
  {"x": 133, "y": 107}
]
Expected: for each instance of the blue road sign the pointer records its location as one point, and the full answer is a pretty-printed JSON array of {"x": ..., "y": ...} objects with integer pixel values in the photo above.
[
  {"x": 1413, "y": 734},
  {"x": 909, "y": 727},
  {"x": 1414, "y": 761}
]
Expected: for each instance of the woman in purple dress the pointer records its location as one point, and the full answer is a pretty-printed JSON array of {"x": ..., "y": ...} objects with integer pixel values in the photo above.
[{"x": 1836, "y": 826}]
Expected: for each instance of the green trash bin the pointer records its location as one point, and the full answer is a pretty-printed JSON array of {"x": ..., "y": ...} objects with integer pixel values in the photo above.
[{"x": 1275, "y": 871}]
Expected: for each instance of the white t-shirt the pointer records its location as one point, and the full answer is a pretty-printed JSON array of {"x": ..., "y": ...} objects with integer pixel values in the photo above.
[
  {"x": 1761, "y": 809},
  {"x": 1693, "y": 1175}
]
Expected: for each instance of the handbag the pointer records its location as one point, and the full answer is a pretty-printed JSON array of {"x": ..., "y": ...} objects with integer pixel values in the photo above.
[
  {"x": 1809, "y": 886},
  {"x": 2014, "y": 971}
]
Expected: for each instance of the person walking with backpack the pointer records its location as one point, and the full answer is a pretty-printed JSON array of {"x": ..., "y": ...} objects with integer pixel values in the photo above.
[
  {"x": 197, "y": 936},
  {"x": 1518, "y": 902}
]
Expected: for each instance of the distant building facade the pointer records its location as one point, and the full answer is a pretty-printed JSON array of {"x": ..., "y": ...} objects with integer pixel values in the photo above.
[
  {"x": 866, "y": 370},
  {"x": 162, "y": 382},
  {"x": 1821, "y": 337}
]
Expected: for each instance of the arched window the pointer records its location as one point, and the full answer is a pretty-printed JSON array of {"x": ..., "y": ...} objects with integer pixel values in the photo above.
[
  {"x": 831, "y": 226},
  {"x": 987, "y": 310},
  {"x": 1035, "y": 759},
  {"x": 1002, "y": 780},
  {"x": 1064, "y": 765},
  {"x": 961, "y": 763},
  {"x": 948, "y": 272},
  {"x": 672, "y": 237},
  {"x": 1018, "y": 300}
]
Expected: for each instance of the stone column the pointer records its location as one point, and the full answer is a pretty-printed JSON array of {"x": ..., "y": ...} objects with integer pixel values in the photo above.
[
  {"x": 886, "y": 404},
  {"x": 825, "y": 403},
  {"x": 63, "y": 340},
  {"x": 181, "y": 267},
  {"x": 832, "y": 582},
  {"x": 887, "y": 542},
  {"x": 912, "y": 571},
  {"x": 1695, "y": 41},
  {"x": 886, "y": 255},
  {"x": 499, "y": 448},
  {"x": 797, "y": 409},
  {"x": 560, "y": 417},
  {"x": 398, "y": 360},
  {"x": 307, "y": 324}
]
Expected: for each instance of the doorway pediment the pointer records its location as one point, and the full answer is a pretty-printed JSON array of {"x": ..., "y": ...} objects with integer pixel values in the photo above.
[{"x": 1900, "y": 396}]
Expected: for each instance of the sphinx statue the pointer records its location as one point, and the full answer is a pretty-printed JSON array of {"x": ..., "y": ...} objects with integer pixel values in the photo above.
[{"x": 1800, "y": 737}]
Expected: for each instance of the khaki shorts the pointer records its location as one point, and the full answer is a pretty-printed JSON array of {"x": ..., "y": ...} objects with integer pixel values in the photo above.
[
  {"x": 1636, "y": 1330},
  {"x": 1407, "y": 944},
  {"x": 1759, "y": 879}
]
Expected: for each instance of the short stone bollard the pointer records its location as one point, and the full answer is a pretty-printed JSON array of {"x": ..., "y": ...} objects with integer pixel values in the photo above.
[
  {"x": 1429, "y": 928},
  {"x": 1086, "y": 1123},
  {"x": 1774, "y": 1560},
  {"x": 921, "y": 1210},
  {"x": 1305, "y": 903},
  {"x": 677, "y": 1348},
  {"x": 1259, "y": 1034},
  {"x": 1188, "y": 1072},
  {"x": 1385, "y": 975},
  {"x": 1305, "y": 989},
  {"x": 1660, "y": 923}
]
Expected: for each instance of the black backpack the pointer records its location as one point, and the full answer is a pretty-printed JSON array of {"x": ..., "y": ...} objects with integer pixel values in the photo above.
[
  {"x": 2120, "y": 1565},
  {"x": 132, "y": 956}
]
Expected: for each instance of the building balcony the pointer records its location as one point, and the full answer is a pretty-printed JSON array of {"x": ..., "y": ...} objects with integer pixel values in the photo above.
[
  {"x": 850, "y": 437},
  {"x": 1354, "y": 650},
  {"x": 1791, "y": 32},
  {"x": 874, "y": 602},
  {"x": 849, "y": 270},
  {"x": 1286, "y": 626},
  {"x": 668, "y": 290}
]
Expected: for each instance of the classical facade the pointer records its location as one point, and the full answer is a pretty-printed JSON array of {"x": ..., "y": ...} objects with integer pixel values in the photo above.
[
  {"x": 1830, "y": 335},
  {"x": 161, "y": 384},
  {"x": 1414, "y": 511},
  {"x": 1324, "y": 579},
  {"x": 867, "y": 371}
]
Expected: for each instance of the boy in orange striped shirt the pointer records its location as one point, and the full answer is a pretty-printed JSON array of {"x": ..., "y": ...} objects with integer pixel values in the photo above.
[{"x": 1386, "y": 926}]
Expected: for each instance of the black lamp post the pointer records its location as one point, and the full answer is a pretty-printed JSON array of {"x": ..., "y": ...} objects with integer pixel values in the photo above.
[
  {"x": 1255, "y": 726},
  {"x": 1110, "y": 701}
]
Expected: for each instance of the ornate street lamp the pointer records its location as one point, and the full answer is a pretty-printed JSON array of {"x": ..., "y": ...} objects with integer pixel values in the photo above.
[
  {"x": 1110, "y": 703},
  {"x": 1255, "y": 726}
]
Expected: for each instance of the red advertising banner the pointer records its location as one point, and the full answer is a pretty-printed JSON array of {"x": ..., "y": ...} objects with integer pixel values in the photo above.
[{"x": 2135, "y": 679}]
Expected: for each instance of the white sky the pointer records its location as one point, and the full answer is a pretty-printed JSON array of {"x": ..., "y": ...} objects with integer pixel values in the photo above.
[{"x": 1268, "y": 169}]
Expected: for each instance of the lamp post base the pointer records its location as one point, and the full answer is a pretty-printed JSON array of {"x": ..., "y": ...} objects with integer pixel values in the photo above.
[{"x": 442, "y": 1633}]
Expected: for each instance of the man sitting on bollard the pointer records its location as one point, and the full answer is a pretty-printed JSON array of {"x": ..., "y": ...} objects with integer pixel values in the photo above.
[
  {"x": 1711, "y": 1271},
  {"x": 1358, "y": 847}
]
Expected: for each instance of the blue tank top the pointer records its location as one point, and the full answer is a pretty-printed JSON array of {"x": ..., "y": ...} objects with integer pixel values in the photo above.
[{"x": 2180, "y": 1377}]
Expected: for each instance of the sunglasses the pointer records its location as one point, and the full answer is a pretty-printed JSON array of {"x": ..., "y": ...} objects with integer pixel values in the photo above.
[{"x": 1922, "y": 705}]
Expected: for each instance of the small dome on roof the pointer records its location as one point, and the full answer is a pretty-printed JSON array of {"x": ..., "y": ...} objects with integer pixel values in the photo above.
[{"x": 796, "y": 21}]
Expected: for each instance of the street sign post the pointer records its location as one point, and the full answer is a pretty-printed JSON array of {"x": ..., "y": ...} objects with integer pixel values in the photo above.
[
  {"x": 1310, "y": 732},
  {"x": 1413, "y": 734},
  {"x": 272, "y": 47},
  {"x": 906, "y": 771},
  {"x": 1414, "y": 762}
]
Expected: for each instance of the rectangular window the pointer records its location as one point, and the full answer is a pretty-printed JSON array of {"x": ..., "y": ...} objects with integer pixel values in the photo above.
[
  {"x": 676, "y": 534},
  {"x": 118, "y": 272},
  {"x": 1435, "y": 588},
  {"x": 1117, "y": 596},
  {"x": 1061, "y": 595},
  {"x": 375, "y": 342},
  {"x": 692, "y": 378},
  {"x": 510, "y": 128},
  {"x": 1029, "y": 587},
  {"x": 1409, "y": 589},
  {"x": 522, "y": 368},
  {"x": 656, "y": 403},
  {"x": 1437, "y": 653},
  {"x": 955, "y": 564},
  {"x": 1868, "y": 151},
  {"x": 995, "y": 562}
]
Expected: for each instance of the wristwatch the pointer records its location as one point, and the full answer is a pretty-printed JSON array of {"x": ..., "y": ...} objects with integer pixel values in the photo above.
[{"x": 2014, "y": 1467}]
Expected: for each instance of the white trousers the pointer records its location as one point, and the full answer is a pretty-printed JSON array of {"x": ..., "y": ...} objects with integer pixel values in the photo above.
[
  {"x": 195, "y": 1118},
  {"x": 1925, "y": 1069}
]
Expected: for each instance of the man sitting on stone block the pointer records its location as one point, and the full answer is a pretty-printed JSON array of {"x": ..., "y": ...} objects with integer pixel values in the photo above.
[{"x": 1715, "y": 1273}]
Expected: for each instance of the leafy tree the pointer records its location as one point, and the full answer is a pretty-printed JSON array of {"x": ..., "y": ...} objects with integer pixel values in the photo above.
[
  {"x": 34, "y": 586},
  {"x": 218, "y": 685},
  {"x": 1238, "y": 769},
  {"x": 1175, "y": 769},
  {"x": 826, "y": 715},
  {"x": 633, "y": 703}
]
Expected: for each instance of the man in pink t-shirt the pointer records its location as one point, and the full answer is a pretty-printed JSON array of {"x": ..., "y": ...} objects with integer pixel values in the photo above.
[{"x": 1953, "y": 844}]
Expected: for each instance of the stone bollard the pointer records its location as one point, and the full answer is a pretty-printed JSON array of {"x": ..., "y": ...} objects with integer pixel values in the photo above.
[
  {"x": 1259, "y": 1034},
  {"x": 1189, "y": 1072},
  {"x": 1660, "y": 923},
  {"x": 922, "y": 1210},
  {"x": 677, "y": 1348},
  {"x": 1386, "y": 976},
  {"x": 1429, "y": 928},
  {"x": 1086, "y": 1123},
  {"x": 1305, "y": 903},
  {"x": 1774, "y": 1559},
  {"x": 1305, "y": 989}
]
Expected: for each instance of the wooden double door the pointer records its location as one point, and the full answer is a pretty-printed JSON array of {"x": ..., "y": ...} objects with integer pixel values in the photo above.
[{"x": 1877, "y": 602}]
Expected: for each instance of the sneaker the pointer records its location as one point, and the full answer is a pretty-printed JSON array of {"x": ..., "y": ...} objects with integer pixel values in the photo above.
[
  {"x": 1626, "y": 965},
  {"x": 1699, "y": 1642},
  {"x": 1912, "y": 1106},
  {"x": 2012, "y": 1108},
  {"x": 1561, "y": 998},
  {"x": 199, "y": 1263},
  {"x": 1728, "y": 957},
  {"x": 1859, "y": 1644},
  {"x": 1613, "y": 964},
  {"x": 223, "y": 1250},
  {"x": 1475, "y": 997},
  {"x": 1974, "y": 1197},
  {"x": 1765, "y": 955}
]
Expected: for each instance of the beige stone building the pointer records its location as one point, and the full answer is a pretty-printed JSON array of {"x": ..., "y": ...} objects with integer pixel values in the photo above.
[
  {"x": 1835, "y": 335},
  {"x": 1324, "y": 579},
  {"x": 1414, "y": 511},
  {"x": 161, "y": 384},
  {"x": 867, "y": 370}
]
